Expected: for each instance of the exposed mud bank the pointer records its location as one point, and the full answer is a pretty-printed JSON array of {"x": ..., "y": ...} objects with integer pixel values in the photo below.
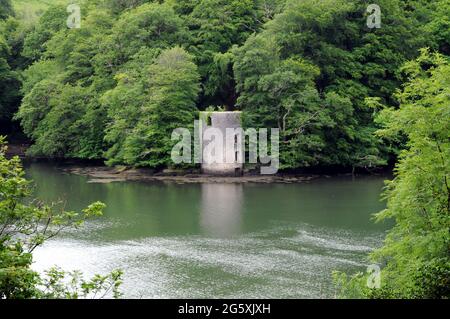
[
  {"x": 102, "y": 174},
  {"x": 99, "y": 173},
  {"x": 17, "y": 150}
]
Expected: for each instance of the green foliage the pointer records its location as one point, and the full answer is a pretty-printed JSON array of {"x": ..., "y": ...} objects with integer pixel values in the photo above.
[
  {"x": 61, "y": 122},
  {"x": 6, "y": 77},
  {"x": 312, "y": 69},
  {"x": 352, "y": 62},
  {"x": 9, "y": 77},
  {"x": 436, "y": 23},
  {"x": 58, "y": 284},
  {"x": 140, "y": 129},
  {"x": 416, "y": 251},
  {"x": 6, "y": 9},
  {"x": 64, "y": 71},
  {"x": 63, "y": 109},
  {"x": 217, "y": 25},
  {"x": 53, "y": 20},
  {"x": 150, "y": 25},
  {"x": 118, "y": 6},
  {"x": 281, "y": 93},
  {"x": 26, "y": 225}
]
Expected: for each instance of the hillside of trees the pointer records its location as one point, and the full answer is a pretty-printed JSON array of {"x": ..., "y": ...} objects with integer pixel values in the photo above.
[{"x": 115, "y": 88}]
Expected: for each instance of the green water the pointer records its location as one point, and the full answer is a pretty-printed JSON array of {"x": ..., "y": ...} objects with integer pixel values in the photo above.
[{"x": 216, "y": 240}]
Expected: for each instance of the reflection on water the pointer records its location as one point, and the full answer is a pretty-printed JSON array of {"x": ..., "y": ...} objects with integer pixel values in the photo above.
[
  {"x": 216, "y": 240},
  {"x": 221, "y": 209}
]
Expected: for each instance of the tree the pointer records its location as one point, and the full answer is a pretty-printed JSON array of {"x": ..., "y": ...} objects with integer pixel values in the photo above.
[
  {"x": 118, "y": 6},
  {"x": 12, "y": 35},
  {"x": 215, "y": 26},
  {"x": 435, "y": 22},
  {"x": 36, "y": 105},
  {"x": 150, "y": 25},
  {"x": 353, "y": 62},
  {"x": 77, "y": 66},
  {"x": 141, "y": 131},
  {"x": 302, "y": 66},
  {"x": 53, "y": 20},
  {"x": 416, "y": 250},
  {"x": 124, "y": 104},
  {"x": 6, "y": 9},
  {"x": 9, "y": 86},
  {"x": 26, "y": 225},
  {"x": 282, "y": 94}
]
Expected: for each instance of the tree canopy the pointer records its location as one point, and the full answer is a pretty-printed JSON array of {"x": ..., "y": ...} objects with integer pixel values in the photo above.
[{"x": 303, "y": 67}]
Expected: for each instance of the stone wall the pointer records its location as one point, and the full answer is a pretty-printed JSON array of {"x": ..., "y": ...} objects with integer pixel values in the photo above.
[{"x": 222, "y": 121}]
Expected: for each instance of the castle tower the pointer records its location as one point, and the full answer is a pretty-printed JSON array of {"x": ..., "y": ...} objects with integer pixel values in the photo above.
[{"x": 234, "y": 150}]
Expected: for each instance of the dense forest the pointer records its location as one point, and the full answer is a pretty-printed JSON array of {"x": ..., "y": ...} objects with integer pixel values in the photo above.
[
  {"x": 341, "y": 93},
  {"x": 115, "y": 88}
]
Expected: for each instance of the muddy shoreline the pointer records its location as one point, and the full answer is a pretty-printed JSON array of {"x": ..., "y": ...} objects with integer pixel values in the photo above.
[
  {"x": 17, "y": 150},
  {"x": 97, "y": 172},
  {"x": 103, "y": 174}
]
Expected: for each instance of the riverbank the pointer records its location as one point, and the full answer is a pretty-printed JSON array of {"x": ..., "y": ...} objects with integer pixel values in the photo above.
[
  {"x": 97, "y": 172},
  {"x": 103, "y": 174},
  {"x": 17, "y": 150}
]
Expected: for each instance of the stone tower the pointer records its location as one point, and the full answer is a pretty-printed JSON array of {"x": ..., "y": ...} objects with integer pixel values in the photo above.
[{"x": 222, "y": 121}]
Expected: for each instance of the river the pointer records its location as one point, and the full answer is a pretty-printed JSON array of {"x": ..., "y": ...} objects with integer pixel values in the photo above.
[{"x": 216, "y": 240}]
